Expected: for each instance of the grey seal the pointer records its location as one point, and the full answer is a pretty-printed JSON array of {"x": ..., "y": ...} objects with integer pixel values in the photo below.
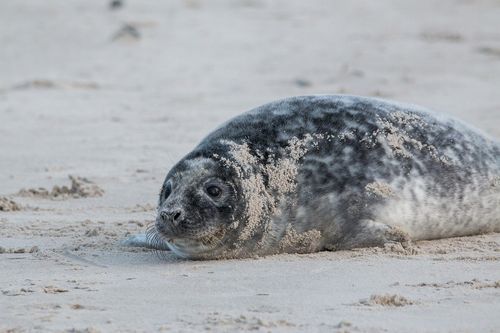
[{"x": 314, "y": 173}]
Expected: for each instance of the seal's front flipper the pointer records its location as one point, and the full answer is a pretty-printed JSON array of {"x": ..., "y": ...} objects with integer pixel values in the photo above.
[
  {"x": 368, "y": 233},
  {"x": 142, "y": 240}
]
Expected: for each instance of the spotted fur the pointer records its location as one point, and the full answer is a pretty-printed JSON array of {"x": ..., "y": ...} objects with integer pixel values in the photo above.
[{"x": 336, "y": 172}]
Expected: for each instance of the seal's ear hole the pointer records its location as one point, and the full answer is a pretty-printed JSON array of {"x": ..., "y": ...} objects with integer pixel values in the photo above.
[{"x": 214, "y": 191}]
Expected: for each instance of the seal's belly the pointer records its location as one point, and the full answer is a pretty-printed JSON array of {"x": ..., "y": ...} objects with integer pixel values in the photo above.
[{"x": 426, "y": 216}]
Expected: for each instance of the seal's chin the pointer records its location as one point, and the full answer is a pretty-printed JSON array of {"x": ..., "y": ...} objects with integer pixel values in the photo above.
[
  {"x": 204, "y": 247},
  {"x": 189, "y": 248}
]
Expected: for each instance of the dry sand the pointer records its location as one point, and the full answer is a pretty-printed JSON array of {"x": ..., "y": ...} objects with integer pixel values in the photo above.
[{"x": 117, "y": 96}]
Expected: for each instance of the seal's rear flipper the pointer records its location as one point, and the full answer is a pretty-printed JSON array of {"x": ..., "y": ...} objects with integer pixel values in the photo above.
[{"x": 141, "y": 240}]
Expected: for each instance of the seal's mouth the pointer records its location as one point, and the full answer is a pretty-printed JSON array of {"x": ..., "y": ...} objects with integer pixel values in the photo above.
[
  {"x": 166, "y": 230},
  {"x": 202, "y": 244}
]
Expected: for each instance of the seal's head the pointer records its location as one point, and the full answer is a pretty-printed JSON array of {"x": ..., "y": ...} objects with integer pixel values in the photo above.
[{"x": 197, "y": 207}]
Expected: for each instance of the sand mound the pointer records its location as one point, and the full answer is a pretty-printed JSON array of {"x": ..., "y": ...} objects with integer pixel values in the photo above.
[
  {"x": 387, "y": 300},
  {"x": 80, "y": 188},
  {"x": 7, "y": 205}
]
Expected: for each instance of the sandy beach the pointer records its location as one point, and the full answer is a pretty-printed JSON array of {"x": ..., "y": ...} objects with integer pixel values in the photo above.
[{"x": 97, "y": 102}]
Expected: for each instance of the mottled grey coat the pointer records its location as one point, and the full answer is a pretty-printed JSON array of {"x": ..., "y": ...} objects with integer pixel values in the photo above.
[{"x": 310, "y": 173}]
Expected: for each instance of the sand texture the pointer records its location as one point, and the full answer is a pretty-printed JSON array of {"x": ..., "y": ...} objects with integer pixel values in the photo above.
[{"x": 98, "y": 101}]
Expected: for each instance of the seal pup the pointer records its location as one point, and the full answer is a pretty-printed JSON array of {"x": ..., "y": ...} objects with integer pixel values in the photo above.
[{"x": 313, "y": 173}]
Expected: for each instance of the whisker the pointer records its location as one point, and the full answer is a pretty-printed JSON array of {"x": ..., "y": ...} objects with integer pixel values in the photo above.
[{"x": 156, "y": 242}]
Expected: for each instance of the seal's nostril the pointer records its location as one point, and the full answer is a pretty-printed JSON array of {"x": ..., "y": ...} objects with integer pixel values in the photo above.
[{"x": 171, "y": 216}]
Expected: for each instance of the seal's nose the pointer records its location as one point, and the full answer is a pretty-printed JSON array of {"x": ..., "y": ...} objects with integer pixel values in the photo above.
[{"x": 173, "y": 216}]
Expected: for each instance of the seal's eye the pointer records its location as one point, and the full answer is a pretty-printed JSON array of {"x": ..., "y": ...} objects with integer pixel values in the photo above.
[
  {"x": 214, "y": 191},
  {"x": 167, "y": 190}
]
